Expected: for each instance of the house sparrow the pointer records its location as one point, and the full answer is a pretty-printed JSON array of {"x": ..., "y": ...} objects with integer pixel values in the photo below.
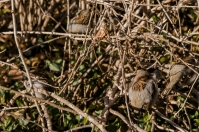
[
  {"x": 143, "y": 91},
  {"x": 179, "y": 73},
  {"x": 176, "y": 72},
  {"x": 37, "y": 84},
  {"x": 79, "y": 23}
]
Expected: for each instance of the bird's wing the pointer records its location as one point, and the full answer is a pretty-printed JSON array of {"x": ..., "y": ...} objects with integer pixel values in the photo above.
[
  {"x": 152, "y": 89},
  {"x": 176, "y": 72}
]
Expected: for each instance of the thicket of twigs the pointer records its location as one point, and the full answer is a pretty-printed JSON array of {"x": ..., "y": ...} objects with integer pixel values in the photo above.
[{"x": 87, "y": 81}]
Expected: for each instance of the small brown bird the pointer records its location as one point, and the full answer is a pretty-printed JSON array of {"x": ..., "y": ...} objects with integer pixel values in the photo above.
[
  {"x": 79, "y": 23},
  {"x": 37, "y": 84},
  {"x": 175, "y": 74},
  {"x": 143, "y": 91},
  {"x": 82, "y": 17},
  {"x": 102, "y": 32},
  {"x": 180, "y": 74}
]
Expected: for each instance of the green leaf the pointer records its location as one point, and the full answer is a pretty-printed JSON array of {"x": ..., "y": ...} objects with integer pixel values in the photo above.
[
  {"x": 172, "y": 117},
  {"x": 3, "y": 11},
  {"x": 23, "y": 122},
  {"x": 8, "y": 121},
  {"x": 95, "y": 75},
  {"x": 163, "y": 59},
  {"x": 40, "y": 40},
  {"x": 47, "y": 62},
  {"x": 3, "y": 98},
  {"x": 69, "y": 117},
  {"x": 82, "y": 67},
  {"x": 72, "y": 62},
  {"x": 54, "y": 67},
  {"x": 19, "y": 102},
  {"x": 34, "y": 114},
  {"x": 197, "y": 121},
  {"x": 2, "y": 47},
  {"x": 191, "y": 116},
  {"x": 196, "y": 113},
  {"x": 65, "y": 123},
  {"x": 116, "y": 122},
  {"x": 75, "y": 82},
  {"x": 146, "y": 116},
  {"x": 193, "y": 14},
  {"x": 98, "y": 112},
  {"x": 155, "y": 18},
  {"x": 58, "y": 61},
  {"x": 78, "y": 118},
  {"x": 2, "y": 91},
  {"x": 85, "y": 121},
  {"x": 12, "y": 127},
  {"x": 180, "y": 99}
]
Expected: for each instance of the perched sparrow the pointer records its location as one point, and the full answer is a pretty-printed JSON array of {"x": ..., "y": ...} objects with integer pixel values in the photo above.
[
  {"x": 102, "y": 32},
  {"x": 175, "y": 74},
  {"x": 37, "y": 84},
  {"x": 79, "y": 23},
  {"x": 143, "y": 90}
]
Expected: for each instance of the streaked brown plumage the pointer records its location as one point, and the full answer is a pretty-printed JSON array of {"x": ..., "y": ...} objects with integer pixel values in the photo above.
[
  {"x": 82, "y": 17},
  {"x": 142, "y": 92},
  {"x": 102, "y": 32},
  {"x": 140, "y": 84}
]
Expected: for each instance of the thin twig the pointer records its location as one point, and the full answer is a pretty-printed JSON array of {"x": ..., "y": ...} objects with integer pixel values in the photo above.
[{"x": 17, "y": 43}]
